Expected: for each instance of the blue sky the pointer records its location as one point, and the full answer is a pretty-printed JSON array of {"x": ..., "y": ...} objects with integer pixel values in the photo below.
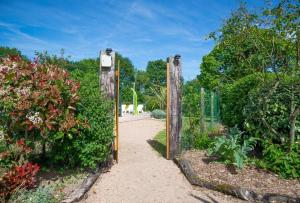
[{"x": 142, "y": 30}]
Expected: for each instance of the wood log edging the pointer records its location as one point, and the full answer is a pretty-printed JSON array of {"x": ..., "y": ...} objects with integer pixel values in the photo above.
[
  {"x": 78, "y": 194},
  {"x": 239, "y": 192}
]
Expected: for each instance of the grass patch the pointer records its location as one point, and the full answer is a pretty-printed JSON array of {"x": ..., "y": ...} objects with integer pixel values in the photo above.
[{"x": 158, "y": 143}]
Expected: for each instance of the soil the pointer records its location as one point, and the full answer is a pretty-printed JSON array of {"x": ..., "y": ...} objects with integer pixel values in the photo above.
[
  {"x": 62, "y": 183},
  {"x": 257, "y": 180},
  {"x": 143, "y": 175}
]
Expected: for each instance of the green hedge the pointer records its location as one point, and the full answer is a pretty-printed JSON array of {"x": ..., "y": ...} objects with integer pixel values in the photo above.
[
  {"x": 93, "y": 146},
  {"x": 234, "y": 97}
]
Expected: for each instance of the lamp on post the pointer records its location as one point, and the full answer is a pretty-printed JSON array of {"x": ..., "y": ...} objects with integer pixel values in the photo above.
[
  {"x": 176, "y": 59},
  {"x": 108, "y": 51}
]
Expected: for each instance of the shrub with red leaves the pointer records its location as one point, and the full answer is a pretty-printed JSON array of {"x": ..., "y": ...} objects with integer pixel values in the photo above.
[
  {"x": 18, "y": 177},
  {"x": 15, "y": 154},
  {"x": 38, "y": 98}
]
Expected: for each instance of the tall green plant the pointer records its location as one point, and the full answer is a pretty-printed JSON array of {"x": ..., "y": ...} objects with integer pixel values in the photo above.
[{"x": 135, "y": 102}]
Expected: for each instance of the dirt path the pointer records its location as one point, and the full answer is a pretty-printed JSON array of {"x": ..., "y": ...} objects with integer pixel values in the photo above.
[{"x": 142, "y": 175}]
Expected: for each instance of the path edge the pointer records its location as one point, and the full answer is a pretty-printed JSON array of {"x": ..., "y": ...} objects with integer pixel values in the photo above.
[
  {"x": 239, "y": 192},
  {"x": 78, "y": 193}
]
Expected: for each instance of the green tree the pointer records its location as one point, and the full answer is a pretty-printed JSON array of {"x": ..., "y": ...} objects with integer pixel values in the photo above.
[
  {"x": 156, "y": 71},
  {"x": 7, "y": 51},
  {"x": 126, "y": 77},
  {"x": 141, "y": 84},
  {"x": 265, "y": 42}
]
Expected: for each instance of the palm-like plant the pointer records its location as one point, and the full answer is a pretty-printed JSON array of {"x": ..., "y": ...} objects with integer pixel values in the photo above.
[{"x": 160, "y": 94}]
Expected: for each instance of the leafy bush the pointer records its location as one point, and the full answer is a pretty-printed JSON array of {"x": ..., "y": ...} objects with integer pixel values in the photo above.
[
  {"x": 202, "y": 142},
  {"x": 95, "y": 144},
  {"x": 38, "y": 101},
  {"x": 232, "y": 150},
  {"x": 277, "y": 159},
  {"x": 14, "y": 154},
  {"x": 42, "y": 102},
  {"x": 235, "y": 97},
  {"x": 191, "y": 104},
  {"x": 268, "y": 112},
  {"x": 39, "y": 195},
  {"x": 151, "y": 103},
  {"x": 158, "y": 114},
  {"x": 17, "y": 172},
  {"x": 18, "y": 177},
  {"x": 187, "y": 141}
]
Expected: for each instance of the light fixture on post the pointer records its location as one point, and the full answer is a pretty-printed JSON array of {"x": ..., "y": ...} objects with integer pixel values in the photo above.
[
  {"x": 108, "y": 51},
  {"x": 176, "y": 59}
]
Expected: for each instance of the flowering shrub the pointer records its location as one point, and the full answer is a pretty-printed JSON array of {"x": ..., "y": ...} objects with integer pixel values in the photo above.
[{"x": 38, "y": 99}]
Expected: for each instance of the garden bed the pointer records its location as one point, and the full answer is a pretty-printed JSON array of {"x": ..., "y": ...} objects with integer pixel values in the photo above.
[
  {"x": 249, "y": 183},
  {"x": 62, "y": 183}
]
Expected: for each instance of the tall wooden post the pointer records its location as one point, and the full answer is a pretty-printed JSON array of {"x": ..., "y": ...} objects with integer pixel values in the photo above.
[
  {"x": 107, "y": 83},
  {"x": 202, "y": 116},
  {"x": 174, "y": 116},
  {"x": 116, "y": 141},
  {"x": 168, "y": 112}
]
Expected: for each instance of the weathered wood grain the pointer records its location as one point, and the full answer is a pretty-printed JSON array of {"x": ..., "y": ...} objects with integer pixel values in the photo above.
[
  {"x": 175, "y": 111},
  {"x": 107, "y": 78}
]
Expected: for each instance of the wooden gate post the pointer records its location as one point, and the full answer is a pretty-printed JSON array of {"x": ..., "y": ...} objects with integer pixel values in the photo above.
[
  {"x": 174, "y": 117},
  {"x": 109, "y": 89}
]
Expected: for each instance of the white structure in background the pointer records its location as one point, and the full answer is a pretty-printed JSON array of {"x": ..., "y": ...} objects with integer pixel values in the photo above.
[
  {"x": 140, "y": 108},
  {"x": 123, "y": 108},
  {"x": 130, "y": 109}
]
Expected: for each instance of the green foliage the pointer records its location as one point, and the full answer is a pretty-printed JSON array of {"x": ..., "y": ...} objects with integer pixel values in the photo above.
[
  {"x": 277, "y": 159},
  {"x": 151, "y": 103},
  {"x": 39, "y": 195},
  {"x": 232, "y": 149},
  {"x": 267, "y": 112},
  {"x": 159, "y": 94},
  {"x": 187, "y": 141},
  {"x": 7, "y": 51},
  {"x": 202, "y": 142},
  {"x": 94, "y": 144},
  {"x": 210, "y": 76},
  {"x": 141, "y": 84},
  {"x": 135, "y": 102},
  {"x": 191, "y": 102},
  {"x": 157, "y": 73},
  {"x": 14, "y": 154},
  {"x": 158, "y": 114},
  {"x": 235, "y": 98},
  {"x": 127, "y": 77},
  {"x": 60, "y": 61}
]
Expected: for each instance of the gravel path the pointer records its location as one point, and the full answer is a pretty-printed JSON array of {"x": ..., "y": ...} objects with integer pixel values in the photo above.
[{"x": 142, "y": 175}]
